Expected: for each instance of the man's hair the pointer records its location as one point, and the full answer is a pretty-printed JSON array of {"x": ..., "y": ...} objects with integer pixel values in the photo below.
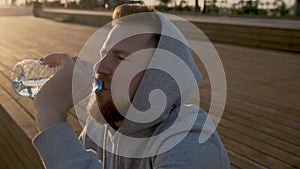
[
  {"x": 128, "y": 9},
  {"x": 150, "y": 20}
]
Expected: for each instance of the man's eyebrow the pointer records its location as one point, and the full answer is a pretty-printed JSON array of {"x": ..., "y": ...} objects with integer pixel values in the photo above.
[
  {"x": 119, "y": 51},
  {"x": 114, "y": 51}
]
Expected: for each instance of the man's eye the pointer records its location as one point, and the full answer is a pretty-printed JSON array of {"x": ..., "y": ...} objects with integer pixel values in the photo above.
[{"x": 119, "y": 57}]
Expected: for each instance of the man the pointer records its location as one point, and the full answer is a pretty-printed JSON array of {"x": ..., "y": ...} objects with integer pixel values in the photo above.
[{"x": 143, "y": 120}]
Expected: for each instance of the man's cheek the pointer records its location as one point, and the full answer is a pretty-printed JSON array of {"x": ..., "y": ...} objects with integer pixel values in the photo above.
[{"x": 134, "y": 84}]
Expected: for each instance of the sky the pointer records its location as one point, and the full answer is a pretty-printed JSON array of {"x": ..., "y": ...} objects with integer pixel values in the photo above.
[{"x": 153, "y": 2}]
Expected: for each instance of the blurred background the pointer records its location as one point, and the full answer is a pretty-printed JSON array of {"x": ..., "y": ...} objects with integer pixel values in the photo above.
[{"x": 217, "y": 7}]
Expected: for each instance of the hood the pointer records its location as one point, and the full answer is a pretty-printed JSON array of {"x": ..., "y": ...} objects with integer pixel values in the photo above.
[
  {"x": 158, "y": 110},
  {"x": 168, "y": 82}
]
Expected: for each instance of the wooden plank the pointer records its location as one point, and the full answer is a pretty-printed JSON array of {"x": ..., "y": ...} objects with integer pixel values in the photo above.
[
  {"x": 257, "y": 134},
  {"x": 258, "y": 145},
  {"x": 17, "y": 113},
  {"x": 25, "y": 102},
  {"x": 288, "y": 116},
  {"x": 265, "y": 129},
  {"x": 271, "y": 117},
  {"x": 4, "y": 158},
  {"x": 266, "y": 119},
  {"x": 276, "y": 99},
  {"x": 7, "y": 155},
  {"x": 18, "y": 140},
  {"x": 2, "y": 164},
  {"x": 229, "y": 117},
  {"x": 242, "y": 113},
  {"x": 247, "y": 124},
  {"x": 269, "y": 97},
  {"x": 241, "y": 161},
  {"x": 287, "y": 86},
  {"x": 253, "y": 154},
  {"x": 25, "y": 158},
  {"x": 238, "y": 107},
  {"x": 234, "y": 167}
]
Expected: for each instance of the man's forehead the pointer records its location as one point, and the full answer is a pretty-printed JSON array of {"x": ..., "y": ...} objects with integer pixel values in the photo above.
[{"x": 125, "y": 32}]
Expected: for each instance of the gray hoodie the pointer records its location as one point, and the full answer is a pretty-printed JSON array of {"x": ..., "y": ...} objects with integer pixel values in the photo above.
[{"x": 169, "y": 141}]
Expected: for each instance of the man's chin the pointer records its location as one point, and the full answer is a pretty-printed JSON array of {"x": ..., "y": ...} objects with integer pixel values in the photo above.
[
  {"x": 94, "y": 112},
  {"x": 105, "y": 113}
]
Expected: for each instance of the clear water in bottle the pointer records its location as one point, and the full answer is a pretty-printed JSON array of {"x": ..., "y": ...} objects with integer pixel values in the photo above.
[{"x": 29, "y": 75}]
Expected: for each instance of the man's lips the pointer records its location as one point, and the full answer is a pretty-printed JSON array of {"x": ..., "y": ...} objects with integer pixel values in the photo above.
[{"x": 104, "y": 80}]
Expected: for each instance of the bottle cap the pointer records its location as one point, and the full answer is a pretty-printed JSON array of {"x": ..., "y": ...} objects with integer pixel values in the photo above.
[{"x": 99, "y": 85}]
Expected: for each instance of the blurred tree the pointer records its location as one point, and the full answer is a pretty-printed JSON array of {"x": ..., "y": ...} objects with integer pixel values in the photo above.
[
  {"x": 89, "y": 4},
  {"x": 165, "y": 2},
  {"x": 209, "y": 6},
  {"x": 214, "y": 2},
  {"x": 280, "y": 8},
  {"x": 276, "y": 2},
  {"x": 262, "y": 5},
  {"x": 224, "y": 3},
  {"x": 183, "y": 6},
  {"x": 250, "y": 7},
  {"x": 72, "y": 5},
  {"x": 163, "y": 5},
  {"x": 234, "y": 6},
  {"x": 240, "y": 4},
  {"x": 297, "y": 6},
  {"x": 13, "y": 2},
  {"x": 213, "y": 8},
  {"x": 267, "y": 5},
  {"x": 204, "y": 7},
  {"x": 197, "y": 8}
]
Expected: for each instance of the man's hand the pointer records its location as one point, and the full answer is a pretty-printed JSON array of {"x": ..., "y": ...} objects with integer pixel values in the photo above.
[{"x": 54, "y": 99}]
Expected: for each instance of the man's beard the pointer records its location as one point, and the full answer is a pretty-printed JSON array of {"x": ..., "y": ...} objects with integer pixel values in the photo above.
[{"x": 108, "y": 112}]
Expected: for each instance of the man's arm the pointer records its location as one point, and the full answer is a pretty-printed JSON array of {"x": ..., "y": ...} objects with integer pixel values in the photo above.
[
  {"x": 57, "y": 144},
  {"x": 59, "y": 148}
]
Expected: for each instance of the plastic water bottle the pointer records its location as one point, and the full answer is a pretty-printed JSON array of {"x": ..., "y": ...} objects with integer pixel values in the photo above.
[{"x": 29, "y": 75}]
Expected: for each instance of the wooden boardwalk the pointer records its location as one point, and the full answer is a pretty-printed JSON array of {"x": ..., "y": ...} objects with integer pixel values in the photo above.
[{"x": 260, "y": 126}]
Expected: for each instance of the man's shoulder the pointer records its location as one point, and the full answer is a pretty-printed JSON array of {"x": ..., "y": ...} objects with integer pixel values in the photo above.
[
  {"x": 186, "y": 145},
  {"x": 186, "y": 127}
]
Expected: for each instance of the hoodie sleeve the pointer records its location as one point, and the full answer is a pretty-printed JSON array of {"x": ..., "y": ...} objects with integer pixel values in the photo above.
[{"x": 59, "y": 148}]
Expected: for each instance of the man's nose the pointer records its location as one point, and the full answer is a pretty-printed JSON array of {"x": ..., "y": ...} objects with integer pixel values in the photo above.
[{"x": 102, "y": 67}]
